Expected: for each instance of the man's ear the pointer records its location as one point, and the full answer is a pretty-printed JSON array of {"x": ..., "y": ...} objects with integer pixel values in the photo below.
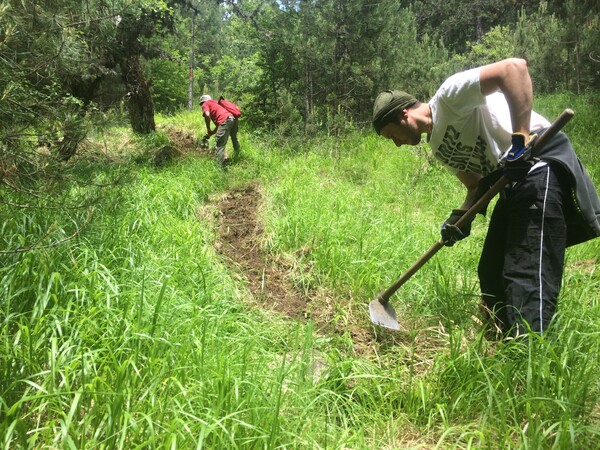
[{"x": 401, "y": 115}]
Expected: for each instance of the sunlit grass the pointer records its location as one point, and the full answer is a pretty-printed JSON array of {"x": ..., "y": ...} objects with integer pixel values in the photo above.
[{"x": 135, "y": 334}]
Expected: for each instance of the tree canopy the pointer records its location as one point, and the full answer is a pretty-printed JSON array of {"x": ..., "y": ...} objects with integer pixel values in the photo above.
[{"x": 296, "y": 65}]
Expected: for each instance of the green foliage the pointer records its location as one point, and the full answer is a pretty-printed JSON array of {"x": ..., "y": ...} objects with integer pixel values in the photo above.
[
  {"x": 456, "y": 22},
  {"x": 560, "y": 44},
  {"x": 169, "y": 84},
  {"x": 494, "y": 46},
  {"x": 320, "y": 64},
  {"x": 235, "y": 78}
]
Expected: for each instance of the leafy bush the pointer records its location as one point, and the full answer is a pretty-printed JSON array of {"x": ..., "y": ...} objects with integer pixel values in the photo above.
[{"x": 170, "y": 84}]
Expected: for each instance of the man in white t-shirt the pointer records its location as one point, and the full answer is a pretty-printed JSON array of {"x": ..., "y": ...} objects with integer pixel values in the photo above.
[{"x": 478, "y": 123}]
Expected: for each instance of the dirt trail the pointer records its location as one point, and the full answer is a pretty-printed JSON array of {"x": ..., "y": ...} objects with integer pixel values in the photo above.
[
  {"x": 269, "y": 277},
  {"x": 240, "y": 235}
]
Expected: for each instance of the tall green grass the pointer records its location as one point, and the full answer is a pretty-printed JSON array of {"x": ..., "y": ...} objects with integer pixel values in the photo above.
[
  {"x": 135, "y": 334},
  {"x": 366, "y": 216}
]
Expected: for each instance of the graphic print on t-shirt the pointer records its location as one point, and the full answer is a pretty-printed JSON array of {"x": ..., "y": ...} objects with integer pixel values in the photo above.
[{"x": 464, "y": 158}]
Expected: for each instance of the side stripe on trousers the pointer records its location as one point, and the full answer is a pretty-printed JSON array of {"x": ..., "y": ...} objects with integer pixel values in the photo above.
[{"x": 541, "y": 259}]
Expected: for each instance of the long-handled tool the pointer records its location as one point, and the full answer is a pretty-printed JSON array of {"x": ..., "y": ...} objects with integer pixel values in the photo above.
[{"x": 381, "y": 311}]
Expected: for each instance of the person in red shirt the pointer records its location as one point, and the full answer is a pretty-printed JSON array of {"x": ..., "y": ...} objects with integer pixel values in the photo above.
[{"x": 226, "y": 125}]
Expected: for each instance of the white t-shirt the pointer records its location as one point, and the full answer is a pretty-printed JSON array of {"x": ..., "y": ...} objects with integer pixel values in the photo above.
[{"x": 471, "y": 131}]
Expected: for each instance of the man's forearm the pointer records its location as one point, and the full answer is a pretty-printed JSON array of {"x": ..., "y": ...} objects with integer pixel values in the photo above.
[
  {"x": 518, "y": 90},
  {"x": 511, "y": 77},
  {"x": 471, "y": 182}
]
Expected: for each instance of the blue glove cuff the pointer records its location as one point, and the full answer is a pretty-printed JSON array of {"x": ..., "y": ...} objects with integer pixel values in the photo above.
[{"x": 518, "y": 148}]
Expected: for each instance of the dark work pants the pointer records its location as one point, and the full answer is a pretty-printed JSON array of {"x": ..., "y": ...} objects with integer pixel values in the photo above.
[
  {"x": 227, "y": 129},
  {"x": 521, "y": 265}
]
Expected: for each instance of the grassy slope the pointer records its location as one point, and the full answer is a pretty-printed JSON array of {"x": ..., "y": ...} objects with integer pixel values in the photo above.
[{"x": 135, "y": 333}]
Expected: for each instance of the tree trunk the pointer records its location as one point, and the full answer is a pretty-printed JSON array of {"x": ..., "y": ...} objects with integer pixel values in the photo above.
[
  {"x": 307, "y": 95},
  {"x": 139, "y": 98},
  {"x": 191, "y": 74}
]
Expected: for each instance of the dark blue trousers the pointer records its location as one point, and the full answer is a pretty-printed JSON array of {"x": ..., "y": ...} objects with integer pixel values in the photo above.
[{"x": 522, "y": 262}]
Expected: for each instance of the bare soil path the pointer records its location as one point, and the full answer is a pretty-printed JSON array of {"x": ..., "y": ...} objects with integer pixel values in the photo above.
[
  {"x": 240, "y": 236},
  {"x": 269, "y": 277}
]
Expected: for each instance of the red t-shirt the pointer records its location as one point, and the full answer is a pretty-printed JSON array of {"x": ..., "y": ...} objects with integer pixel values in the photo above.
[{"x": 217, "y": 113}]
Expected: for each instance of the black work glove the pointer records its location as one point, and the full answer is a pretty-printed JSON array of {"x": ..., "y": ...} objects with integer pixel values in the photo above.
[
  {"x": 519, "y": 158},
  {"x": 451, "y": 234},
  {"x": 204, "y": 142}
]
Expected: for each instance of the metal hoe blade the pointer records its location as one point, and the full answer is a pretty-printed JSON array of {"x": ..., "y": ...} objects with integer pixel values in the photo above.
[{"x": 383, "y": 314}]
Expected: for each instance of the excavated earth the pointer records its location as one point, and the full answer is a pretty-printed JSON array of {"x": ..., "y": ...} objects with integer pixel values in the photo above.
[
  {"x": 269, "y": 278},
  {"x": 240, "y": 234}
]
